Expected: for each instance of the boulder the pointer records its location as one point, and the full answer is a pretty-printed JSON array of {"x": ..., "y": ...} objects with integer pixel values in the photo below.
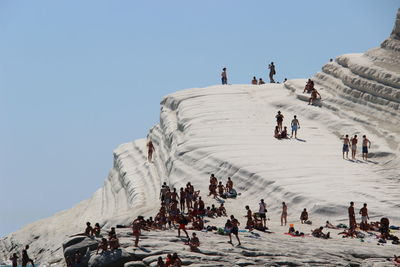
[
  {"x": 81, "y": 243},
  {"x": 116, "y": 258}
]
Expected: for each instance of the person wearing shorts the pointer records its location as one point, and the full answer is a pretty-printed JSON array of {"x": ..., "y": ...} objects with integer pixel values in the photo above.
[
  {"x": 353, "y": 146},
  {"x": 365, "y": 147},
  {"x": 262, "y": 211},
  {"x": 295, "y": 126}
]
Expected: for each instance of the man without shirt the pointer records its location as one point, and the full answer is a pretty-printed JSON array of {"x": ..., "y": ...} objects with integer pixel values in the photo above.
[
  {"x": 353, "y": 147},
  {"x": 295, "y": 125},
  {"x": 365, "y": 145},
  {"x": 346, "y": 144}
]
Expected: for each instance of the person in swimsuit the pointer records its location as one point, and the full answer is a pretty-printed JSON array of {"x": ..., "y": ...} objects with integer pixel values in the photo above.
[
  {"x": 249, "y": 216},
  {"x": 272, "y": 72},
  {"x": 284, "y": 213},
  {"x": 194, "y": 242},
  {"x": 279, "y": 119},
  {"x": 314, "y": 94},
  {"x": 137, "y": 225},
  {"x": 229, "y": 184},
  {"x": 304, "y": 216},
  {"x": 150, "y": 150},
  {"x": 224, "y": 76},
  {"x": 103, "y": 246},
  {"x": 260, "y": 81},
  {"x": 295, "y": 125},
  {"x": 182, "y": 199},
  {"x": 352, "y": 216},
  {"x": 365, "y": 145},
  {"x": 254, "y": 81},
  {"x": 353, "y": 146},
  {"x": 262, "y": 212},
  {"x": 235, "y": 229},
  {"x": 364, "y": 217},
  {"x": 346, "y": 145},
  {"x": 14, "y": 259},
  {"x": 182, "y": 225}
]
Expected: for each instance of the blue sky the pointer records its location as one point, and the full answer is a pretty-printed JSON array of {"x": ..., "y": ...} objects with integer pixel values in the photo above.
[{"x": 78, "y": 78}]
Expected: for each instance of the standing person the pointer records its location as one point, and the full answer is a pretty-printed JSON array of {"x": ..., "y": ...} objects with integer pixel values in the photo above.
[
  {"x": 229, "y": 184},
  {"x": 352, "y": 216},
  {"x": 254, "y": 81},
  {"x": 224, "y": 76},
  {"x": 182, "y": 199},
  {"x": 365, "y": 145},
  {"x": 150, "y": 150},
  {"x": 25, "y": 257},
  {"x": 346, "y": 144},
  {"x": 182, "y": 225},
  {"x": 272, "y": 72},
  {"x": 364, "y": 217},
  {"x": 262, "y": 212},
  {"x": 284, "y": 213},
  {"x": 235, "y": 229},
  {"x": 14, "y": 259},
  {"x": 295, "y": 125},
  {"x": 279, "y": 119},
  {"x": 137, "y": 224},
  {"x": 249, "y": 217},
  {"x": 353, "y": 146}
]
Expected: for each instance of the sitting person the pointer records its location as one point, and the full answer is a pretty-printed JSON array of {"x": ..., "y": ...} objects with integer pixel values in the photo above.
[
  {"x": 254, "y": 81},
  {"x": 277, "y": 134},
  {"x": 103, "y": 246},
  {"x": 314, "y": 94},
  {"x": 304, "y": 216},
  {"x": 214, "y": 210},
  {"x": 329, "y": 225},
  {"x": 160, "y": 262},
  {"x": 384, "y": 229},
  {"x": 194, "y": 242},
  {"x": 284, "y": 133},
  {"x": 198, "y": 224},
  {"x": 113, "y": 242},
  {"x": 309, "y": 86},
  {"x": 319, "y": 234},
  {"x": 221, "y": 210},
  {"x": 260, "y": 81},
  {"x": 176, "y": 261},
  {"x": 96, "y": 230},
  {"x": 291, "y": 229}
]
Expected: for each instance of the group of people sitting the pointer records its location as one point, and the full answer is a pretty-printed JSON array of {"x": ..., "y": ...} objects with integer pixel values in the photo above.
[
  {"x": 171, "y": 261},
  {"x": 226, "y": 191},
  {"x": 255, "y": 82},
  {"x": 309, "y": 89}
]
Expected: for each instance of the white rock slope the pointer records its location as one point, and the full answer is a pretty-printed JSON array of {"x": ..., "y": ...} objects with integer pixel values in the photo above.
[{"x": 227, "y": 130}]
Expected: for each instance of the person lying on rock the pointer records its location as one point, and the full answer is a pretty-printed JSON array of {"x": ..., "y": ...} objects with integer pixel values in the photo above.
[{"x": 319, "y": 234}]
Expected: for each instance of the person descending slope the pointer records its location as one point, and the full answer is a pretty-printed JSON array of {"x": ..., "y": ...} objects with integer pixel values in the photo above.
[
  {"x": 272, "y": 72},
  {"x": 314, "y": 94},
  {"x": 224, "y": 77}
]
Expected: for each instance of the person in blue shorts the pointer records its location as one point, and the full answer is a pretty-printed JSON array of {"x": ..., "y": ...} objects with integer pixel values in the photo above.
[
  {"x": 346, "y": 145},
  {"x": 365, "y": 145},
  {"x": 295, "y": 126}
]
